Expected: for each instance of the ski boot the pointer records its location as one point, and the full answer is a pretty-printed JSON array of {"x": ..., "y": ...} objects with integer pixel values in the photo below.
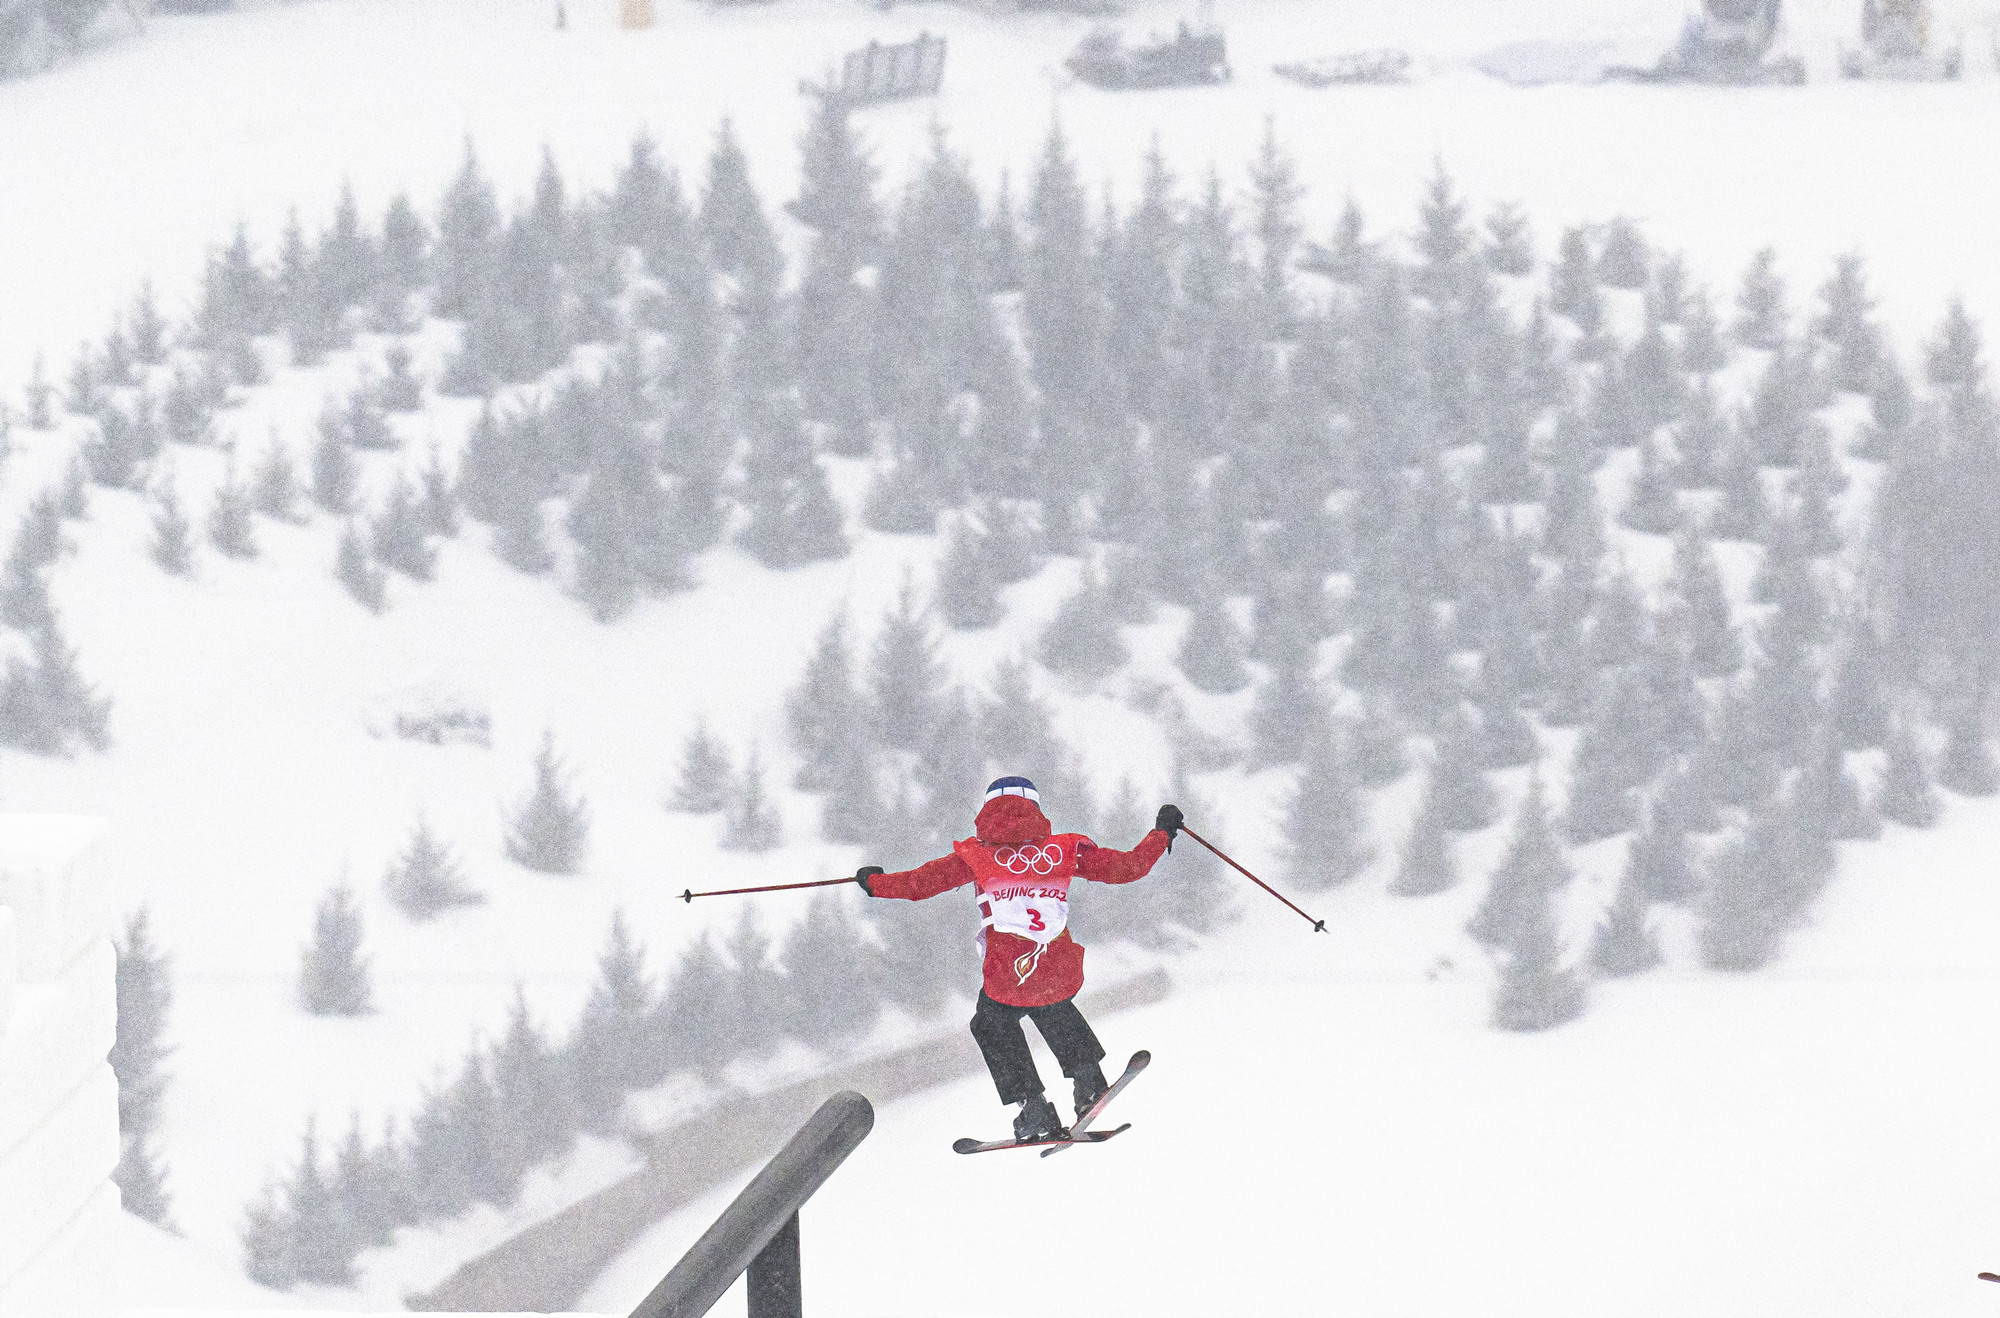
[
  {"x": 1090, "y": 1087},
  {"x": 1038, "y": 1121}
]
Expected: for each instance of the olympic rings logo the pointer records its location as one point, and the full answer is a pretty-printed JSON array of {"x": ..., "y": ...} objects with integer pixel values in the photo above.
[{"x": 1020, "y": 860}]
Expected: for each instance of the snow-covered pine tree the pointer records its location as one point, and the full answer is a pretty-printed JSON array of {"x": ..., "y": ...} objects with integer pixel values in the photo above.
[
  {"x": 145, "y": 994},
  {"x": 308, "y": 311},
  {"x": 1458, "y": 785},
  {"x": 829, "y": 970},
  {"x": 1573, "y": 281},
  {"x": 46, "y": 708},
  {"x": 237, "y": 298},
  {"x": 534, "y": 1108},
  {"x": 732, "y": 216},
  {"x": 794, "y": 518},
  {"x": 25, "y": 593},
  {"x": 826, "y": 712},
  {"x": 616, "y": 1044},
  {"x": 172, "y": 546},
  {"x": 1760, "y": 885},
  {"x": 690, "y": 1021},
  {"x": 1714, "y": 647},
  {"x": 315, "y": 1248},
  {"x": 333, "y": 975},
  {"x": 549, "y": 830},
  {"x": 396, "y": 534},
  {"x": 967, "y": 589},
  {"x": 1533, "y": 868},
  {"x": 1654, "y": 504},
  {"x": 73, "y": 492},
  {"x": 1510, "y": 245},
  {"x": 40, "y": 395},
  {"x": 274, "y": 486},
  {"x": 1623, "y": 944},
  {"x": 1060, "y": 306},
  {"x": 1780, "y": 418},
  {"x": 116, "y": 451},
  {"x": 1660, "y": 859},
  {"x": 367, "y": 1190},
  {"x": 346, "y": 254},
  {"x": 1082, "y": 640},
  {"x": 751, "y": 820},
  {"x": 1444, "y": 237},
  {"x": 1703, "y": 351},
  {"x": 1967, "y": 765},
  {"x": 1700, "y": 435},
  {"x": 229, "y": 523},
  {"x": 402, "y": 266},
  {"x": 467, "y": 229},
  {"x": 1857, "y": 706},
  {"x": 1844, "y": 321},
  {"x": 906, "y": 674},
  {"x": 705, "y": 784},
  {"x": 1288, "y": 716},
  {"x": 359, "y": 575},
  {"x": 335, "y": 473},
  {"x": 1952, "y": 355},
  {"x": 186, "y": 414},
  {"x": 426, "y": 880},
  {"x": 1623, "y": 261},
  {"x": 1667, "y": 299},
  {"x": 399, "y": 390},
  {"x": 1326, "y": 827},
  {"x": 1744, "y": 512},
  {"x": 1814, "y": 485},
  {"x": 755, "y": 1003},
  {"x": 451, "y": 1154},
  {"x": 1349, "y": 256},
  {"x": 519, "y": 537},
  {"x": 1275, "y": 187},
  {"x": 1212, "y": 649},
  {"x": 1536, "y": 991},
  {"x": 1761, "y": 316},
  {"x": 1829, "y": 799},
  {"x": 1617, "y": 421},
  {"x": 437, "y": 508},
  {"x": 1893, "y": 411},
  {"x": 1428, "y": 865}
]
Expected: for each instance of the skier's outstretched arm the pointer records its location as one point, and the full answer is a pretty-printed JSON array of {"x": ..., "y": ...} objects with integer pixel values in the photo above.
[
  {"x": 1103, "y": 865},
  {"x": 926, "y": 880}
]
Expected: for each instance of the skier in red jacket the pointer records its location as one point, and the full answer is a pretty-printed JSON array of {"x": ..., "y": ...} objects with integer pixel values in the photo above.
[{"x": 1021, "y": 874}]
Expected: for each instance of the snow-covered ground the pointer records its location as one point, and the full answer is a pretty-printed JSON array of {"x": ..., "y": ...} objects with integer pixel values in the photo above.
[{"x": 1326, "y": 1125}]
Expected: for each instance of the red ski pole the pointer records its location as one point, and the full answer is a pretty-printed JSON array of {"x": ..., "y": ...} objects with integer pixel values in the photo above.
[
  {"x": 688, "y": 896},
  {"x": 1319, "y": 926}
]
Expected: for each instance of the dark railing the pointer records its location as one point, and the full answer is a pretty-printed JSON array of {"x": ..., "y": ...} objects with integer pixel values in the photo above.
[{"x": 759, "y": 1231}]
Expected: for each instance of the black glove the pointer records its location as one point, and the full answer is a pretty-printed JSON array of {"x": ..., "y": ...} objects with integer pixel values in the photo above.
[
  {"x": 865, "y": 873},
  {"x": 1169, "y": 822}
]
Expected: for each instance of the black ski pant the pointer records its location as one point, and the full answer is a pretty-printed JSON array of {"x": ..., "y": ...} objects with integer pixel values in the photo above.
[{"x": 1004, "y": 1043}]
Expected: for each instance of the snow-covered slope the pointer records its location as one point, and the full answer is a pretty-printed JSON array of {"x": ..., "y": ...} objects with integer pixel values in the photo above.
[
  {"x": 243, "y": 780},
  {"x": 1794, "y": 1144}
]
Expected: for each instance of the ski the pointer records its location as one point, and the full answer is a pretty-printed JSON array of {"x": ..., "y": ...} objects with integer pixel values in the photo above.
[
  {"x": 1989, "y": 1276},
  {"x": 1083, "y": 1123},
  {"x": 1080, "y": 1133},
  {"x": 1048, "y": 1146}
]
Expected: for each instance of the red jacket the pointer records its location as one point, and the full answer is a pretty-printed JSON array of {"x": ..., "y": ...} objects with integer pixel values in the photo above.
[{"x": 1021, "y": 874}]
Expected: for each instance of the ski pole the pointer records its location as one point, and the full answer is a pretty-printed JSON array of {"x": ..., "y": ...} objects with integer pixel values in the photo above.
[
  {"x": 1319, "y": 926},
  {"x": 688, "y": 896}
]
